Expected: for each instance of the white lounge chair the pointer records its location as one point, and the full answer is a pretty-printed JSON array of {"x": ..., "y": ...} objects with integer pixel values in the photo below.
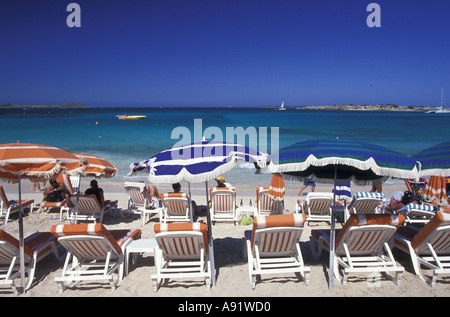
[
  {"x": 94, "y": 253},
  {"x": 223, "y": 204},
  {"x": 317, "y": 206},
  {"x": 176, "y": 208},
  {"x": 139, "y": 201},
  {"x": 75, "y": 183},
  {"x": 265, "y": 205},
  {"x": 8, "y": 207},
  {"x": 428, "y": 247},
  {"x": 359, "y": 246},
  {"x": 36, "y": 247},
  {"x": 86, "y": 208},
  {"x": 364, "y": 203},
  {"x": 182, "y": 253},
  {"x": 416, "y": 213},
  {"x": 273, "y": 246}
]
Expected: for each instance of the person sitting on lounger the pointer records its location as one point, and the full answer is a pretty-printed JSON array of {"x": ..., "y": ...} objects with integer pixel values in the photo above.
[
  {"x": 97, "y": 191},
  {"x": 177, "y": 189},
  {"x": 222, "y": 183},
  {"x": 407, "y": 198},
  {"x": 56, "y": 192}
]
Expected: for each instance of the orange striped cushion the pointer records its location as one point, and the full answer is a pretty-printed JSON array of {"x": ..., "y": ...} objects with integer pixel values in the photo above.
[
  {"x": 39, "y": 238},
  {"x": 184, "y": 226},
  {"x": 288, "y": 220},
  {"x": 258, "y": 189},
  {"x": 370, "y": 219},
  {"x": 220, "y": 188},
  {"x": 51, "y": 204},
  {"x": 175, "y": 195},
  {"x": 96, "y": 229},
  {"x": 440, "y": 219},
  {"x": 29, "y": 242},
  {"x": 7, "y": 203}
]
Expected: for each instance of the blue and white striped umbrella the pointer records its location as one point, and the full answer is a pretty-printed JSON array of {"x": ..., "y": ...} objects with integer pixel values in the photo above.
[
  {"x": 356, "y": 161},
  {"x": 434, "y": 160},
  {"x": 333, "y": 159},
  {"x": 197, "y": 162}
]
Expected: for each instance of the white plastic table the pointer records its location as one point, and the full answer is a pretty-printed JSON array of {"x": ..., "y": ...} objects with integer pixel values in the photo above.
[
  {"x": 246, "y": 209},
  {"x": 139, "y": 246}
]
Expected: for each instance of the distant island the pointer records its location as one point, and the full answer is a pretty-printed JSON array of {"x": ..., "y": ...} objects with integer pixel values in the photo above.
[
  {"x": 351, "y": 107},
  {"x": 66, "y": 105}
]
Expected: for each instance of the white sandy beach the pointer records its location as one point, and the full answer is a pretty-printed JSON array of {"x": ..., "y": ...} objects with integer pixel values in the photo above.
[{"x": 231, "y": 269}]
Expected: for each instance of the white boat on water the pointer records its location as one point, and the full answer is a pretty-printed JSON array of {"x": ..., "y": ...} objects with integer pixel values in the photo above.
[
  {"x": 282, "y": 107},
  {"x": 442, "y": 108}
]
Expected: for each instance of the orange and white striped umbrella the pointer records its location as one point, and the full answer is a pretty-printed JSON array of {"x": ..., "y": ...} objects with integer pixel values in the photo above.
[
  {"x": 436, "y": 189},
  {"x": 276, "y": 188},
  {"x": 98, "y": 167},
  {"x": 25, "y": 160},
  {"x": 36, "y": 161}
]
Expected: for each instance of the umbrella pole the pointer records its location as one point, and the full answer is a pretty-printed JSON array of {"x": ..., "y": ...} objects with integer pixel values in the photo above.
[
  {"x": 332, "y": 236},
  {"x": 210, "y": 239},
  {"x": 21, "y": 241},
  {"x": 191, "y": 215}
]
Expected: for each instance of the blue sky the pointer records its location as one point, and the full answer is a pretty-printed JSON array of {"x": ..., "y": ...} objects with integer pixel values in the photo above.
[{"x": 224, "y": 52}]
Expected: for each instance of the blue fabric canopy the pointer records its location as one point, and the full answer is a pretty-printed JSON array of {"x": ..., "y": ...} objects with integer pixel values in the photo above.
[
  {"x": 197, "y": 162},
  {"x": 434, "y": 160},
  {"x": 356, "y": 161},
  {"x": 337, "y": 159}
]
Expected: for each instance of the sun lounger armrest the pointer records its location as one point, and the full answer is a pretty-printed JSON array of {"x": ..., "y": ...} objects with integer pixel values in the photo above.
[{"x": 129, "y": 237}]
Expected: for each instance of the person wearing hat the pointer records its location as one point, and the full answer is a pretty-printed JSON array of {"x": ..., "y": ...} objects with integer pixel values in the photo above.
[{"x": 222, "y": 183}]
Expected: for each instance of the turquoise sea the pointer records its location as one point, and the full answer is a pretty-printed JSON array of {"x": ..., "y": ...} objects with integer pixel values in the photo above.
[{"x": 97, "y": 131}]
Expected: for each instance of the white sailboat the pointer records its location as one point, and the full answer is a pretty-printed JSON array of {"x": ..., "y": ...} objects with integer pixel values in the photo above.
[
  {"x": 282, "y": 107},
  {"x": 442, "y": 108}
]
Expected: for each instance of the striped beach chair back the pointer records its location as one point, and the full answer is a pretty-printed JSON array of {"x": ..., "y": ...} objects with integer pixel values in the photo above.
[
  {"x": 434, "y": 237},
  {"x": 223, "y": 204},
  {"x": 223, "y": 199},
  {"x": 176, "y": 207},
  {"x": 87, "y": 241},
  {"x": 182, "y": 240},
  {"x": 428, "y": 247},
  {"x": 94, "y": 253},
  {"x": 182, "y": 253},
  {"x": 75, "y": 183},
  {"x": 11, "y": 206},
  {"x": 265, "y": 204},
  {"x": 9, "y": 246},
  {"x": 319, "y": 204},
  {"x": 276, "y": 235},
  {"x": 366, "y": 234},
  {"x": 138, "y": 195},
  {"x": 273, "y": 246},
  {"x": 416, "y": 213},
  {"x": 87, "y": 208},
  {"x": 365, "y": 203},
  {"x": 362, "y": 245},
  {"x": 36, "y": 247}
]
